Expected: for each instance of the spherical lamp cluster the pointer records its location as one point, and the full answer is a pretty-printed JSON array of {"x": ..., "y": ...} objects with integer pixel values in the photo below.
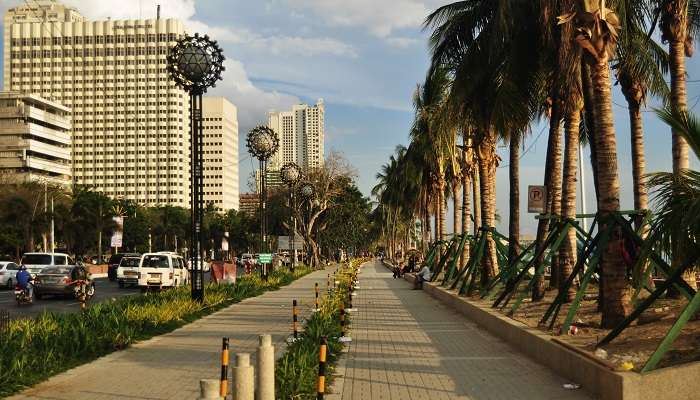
[
  {"x": 290, "y": 173},
  {"x": 196, "y": 63},
  {"x": 262, "y": 142},
  {"x": 307, "y": 190}
]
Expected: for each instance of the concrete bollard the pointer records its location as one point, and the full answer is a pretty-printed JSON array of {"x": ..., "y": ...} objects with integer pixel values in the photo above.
[
  {"x": 265, "y": 384},
  {"x": 243, "y": 378},
  {"x": 209, "y": 389}
]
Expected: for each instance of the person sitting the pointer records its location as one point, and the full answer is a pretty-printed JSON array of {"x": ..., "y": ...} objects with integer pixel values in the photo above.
[
  {"x": 423, "y": 276},
  {"x": 24, "y": 281},
  {"x": 397, "y": 270}
]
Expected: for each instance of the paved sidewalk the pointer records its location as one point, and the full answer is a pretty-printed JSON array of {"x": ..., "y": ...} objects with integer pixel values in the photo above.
[
  {"x": 407, "y": 346},
  {"x": 170, "y": 366}
]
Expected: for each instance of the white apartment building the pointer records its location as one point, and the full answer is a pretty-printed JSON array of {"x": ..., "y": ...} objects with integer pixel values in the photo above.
[
  {"x": 220, "y": 123},
  {"x": 301, "y": 133},
  {"x": 35, "y": 142},
  {"x": 130, "y": 121}
]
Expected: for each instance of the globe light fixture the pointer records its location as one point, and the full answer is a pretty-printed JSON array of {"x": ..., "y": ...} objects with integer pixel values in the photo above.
[
  {"x": 291, "y": 175},
  {"x": 263, "y": 143},
  {"x": 195, "y": 63}
]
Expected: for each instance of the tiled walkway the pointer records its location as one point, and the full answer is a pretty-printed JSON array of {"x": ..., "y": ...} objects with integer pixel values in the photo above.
[
  {"x": 406, "y": 346},
  {"x": 170, "y": 366}
]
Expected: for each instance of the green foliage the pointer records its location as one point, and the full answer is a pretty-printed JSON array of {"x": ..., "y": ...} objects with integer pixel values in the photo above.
[
  {"x": 296, "y": 373},
  {"x": 34, "y": 349},
  {"x": 347, "y": 225}
]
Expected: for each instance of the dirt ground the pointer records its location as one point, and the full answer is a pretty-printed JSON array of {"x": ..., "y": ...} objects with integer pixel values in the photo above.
[{"x": 635, "y": 344}]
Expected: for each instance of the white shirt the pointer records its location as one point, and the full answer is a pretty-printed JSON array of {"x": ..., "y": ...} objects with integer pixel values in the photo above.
[{"x": 425, "y": 273}]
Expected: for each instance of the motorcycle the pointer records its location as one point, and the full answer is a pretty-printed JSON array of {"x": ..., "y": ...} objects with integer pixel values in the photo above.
[
  {"x": 83, "y": 291},
  {"x": 22, "y": 296}
]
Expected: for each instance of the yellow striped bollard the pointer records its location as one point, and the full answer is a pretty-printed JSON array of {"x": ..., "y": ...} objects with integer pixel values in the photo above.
[
  {"x": 295, "y": 322},
  {"x": 321, "y": 389},
  {"x": 223, "y": 386}
]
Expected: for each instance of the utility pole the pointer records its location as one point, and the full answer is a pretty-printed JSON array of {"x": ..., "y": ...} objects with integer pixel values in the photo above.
[
  {"x": 53, "y": 229},
  {"x": 584, "y": 221},
  {"x": 43, "y": 235}
]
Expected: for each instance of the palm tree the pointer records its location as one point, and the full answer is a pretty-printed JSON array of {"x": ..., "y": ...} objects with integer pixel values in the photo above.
[
  {"x": 596, "y": 27},
  {"x": 514, "y": 215}
]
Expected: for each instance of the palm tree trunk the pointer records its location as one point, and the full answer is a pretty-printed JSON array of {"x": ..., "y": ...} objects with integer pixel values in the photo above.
[
  {"x": 567, "y": 253},
  {"x": 589, "y": 114},
  {"x": 476, "y": 184},
  {"x": 456, "y": 208},
  {"x": 679, "y": 101},
  {"x": 514, "y": 215},
  {"x": 552, "y": 178},
  {"x": 466, "y": 187},
  {"x": 442, "y": 208},
  {"x": 616, "y": 304},
  {"x": 634, "y": 94},
  {"x": 487, "y": 167}
]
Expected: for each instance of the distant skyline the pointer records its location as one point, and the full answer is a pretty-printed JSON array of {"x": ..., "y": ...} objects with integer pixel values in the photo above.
[{"x": 364, "y": 58}]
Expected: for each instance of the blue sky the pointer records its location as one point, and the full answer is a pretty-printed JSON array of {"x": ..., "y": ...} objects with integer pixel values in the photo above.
[{"x": 364, "y": 57}]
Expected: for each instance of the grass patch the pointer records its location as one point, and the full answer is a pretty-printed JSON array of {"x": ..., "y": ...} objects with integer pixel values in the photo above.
[
  {"x": 35, "y": 349},
  {"x": 296, "y": 372}
]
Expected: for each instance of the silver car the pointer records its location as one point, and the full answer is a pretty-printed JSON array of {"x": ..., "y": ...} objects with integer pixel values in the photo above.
[{"x": 8, "y": 271}]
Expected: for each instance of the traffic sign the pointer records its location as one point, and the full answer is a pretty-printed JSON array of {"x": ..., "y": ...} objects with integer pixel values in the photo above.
[
  {"x": 536, "y": 199},
  {"x": 265, "y": 258}
]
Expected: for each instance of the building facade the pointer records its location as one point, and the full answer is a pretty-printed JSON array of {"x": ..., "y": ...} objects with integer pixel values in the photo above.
[
  {"x": 301, "y": 133},
  {"x": 35, "y": 140},
  {"x": 220, "y": 122},
  {"x": 130, "y": 122}
]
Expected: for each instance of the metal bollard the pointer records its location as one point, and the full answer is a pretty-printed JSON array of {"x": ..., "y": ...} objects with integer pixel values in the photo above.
[
  {"x": 321, "y": 388},
  {"x": 223, "y": 386},
  {"x": 209, "y": 389},
  {"x": 328, "y": 282},
  {"x": 265, "y": 384},
  {"x": 342, "y": 320},
  {"x": 295, "y": 319},
  {"x": 350, "y": 300},
  {"x": 243, "y": 378},
  {"x": 316, "y": 300}
]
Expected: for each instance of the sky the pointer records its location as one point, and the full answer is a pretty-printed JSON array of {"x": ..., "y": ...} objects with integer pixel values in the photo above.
[{"x": 364, "y": 58}]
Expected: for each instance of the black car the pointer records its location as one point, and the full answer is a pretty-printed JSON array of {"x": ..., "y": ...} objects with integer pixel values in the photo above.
[{"x": 113, "y": 264}]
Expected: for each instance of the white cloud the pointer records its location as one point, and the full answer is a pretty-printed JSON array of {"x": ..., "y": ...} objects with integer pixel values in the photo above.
[
  {"x": 253, "y": 103},
  {"x": 381, "y": 17},
  {"x": 402, "y": 42}
]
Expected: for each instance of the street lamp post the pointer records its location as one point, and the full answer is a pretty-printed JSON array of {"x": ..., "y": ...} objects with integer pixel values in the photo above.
[
  {"x": 262, "y": 143},
  {"x": 291, "y": 174},
  {"x": 307, "y": 192},
  {"x": 195, "y": 64}
]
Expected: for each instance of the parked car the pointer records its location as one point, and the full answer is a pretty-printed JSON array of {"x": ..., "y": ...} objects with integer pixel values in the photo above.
[
  {"x": 56, "y": 280},
  {"x": 113, "y": 263},
  {"x": 36, "y": 262},
  {"x": 159, "y": 270},
  {"x": 127, "y": 273},
  {"x": 8, "y": 270}
]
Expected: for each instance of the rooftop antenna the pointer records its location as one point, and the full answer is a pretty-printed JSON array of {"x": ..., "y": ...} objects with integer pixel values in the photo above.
[{"x": 158, "y": 12}]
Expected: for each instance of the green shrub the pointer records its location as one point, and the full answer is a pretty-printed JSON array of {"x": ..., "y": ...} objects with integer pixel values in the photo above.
[{"x": 34, "y": 349}]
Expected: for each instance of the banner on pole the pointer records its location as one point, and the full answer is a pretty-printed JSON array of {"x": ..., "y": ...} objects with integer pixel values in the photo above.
[{"x": 118, "y": 233}]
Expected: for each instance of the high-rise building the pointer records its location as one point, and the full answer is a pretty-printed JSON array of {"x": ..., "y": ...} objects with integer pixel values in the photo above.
[
  {"x": 220, "y": 122},
  {"x": 130, "y": 121},
  {"x": 35, "y": 142},
  {"x": 301, "y": 133}
]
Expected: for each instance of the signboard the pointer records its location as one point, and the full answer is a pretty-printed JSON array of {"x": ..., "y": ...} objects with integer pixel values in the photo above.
[
  {"x": 265, "y": 258},
  {"x": 118, "y": 233},
  {"x": 283, "y": 243},
  {"x": 536, "y": 199}
]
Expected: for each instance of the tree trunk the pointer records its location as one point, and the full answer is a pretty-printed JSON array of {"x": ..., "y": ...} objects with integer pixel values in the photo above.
[
  {"x": 476, "y": 203},
  {"x": 616, "y": 305},
  {"x": 567, "y": 252},
  {"x": 679, "y": 101},
  {"x": 442, "y": 208},
  {"x": 514, "y": 215},
  {"x": 466, "y": 187},
  {"x": 456, "y": 207},
  {"x": 589, "y": 114},
  {"x": 487, "y": 167},
  {"x": 552, "y": 178},
  {"x": 634, "y": 93}
]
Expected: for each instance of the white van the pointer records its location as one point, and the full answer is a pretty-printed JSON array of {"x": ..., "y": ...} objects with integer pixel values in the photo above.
[
  {"x": 159, "y": 270},
  {"x": 35, "y": 262}
]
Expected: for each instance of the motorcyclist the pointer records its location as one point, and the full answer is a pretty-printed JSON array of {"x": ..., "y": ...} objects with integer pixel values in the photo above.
[
  {"x": 79, "y": 276},
  {"x": 24, "y": 281}
]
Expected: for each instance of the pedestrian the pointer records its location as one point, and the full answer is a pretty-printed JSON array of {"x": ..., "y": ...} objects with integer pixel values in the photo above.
[
  {"x": 422, "y": 276},
  {"x": 397, "y": 270}
]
